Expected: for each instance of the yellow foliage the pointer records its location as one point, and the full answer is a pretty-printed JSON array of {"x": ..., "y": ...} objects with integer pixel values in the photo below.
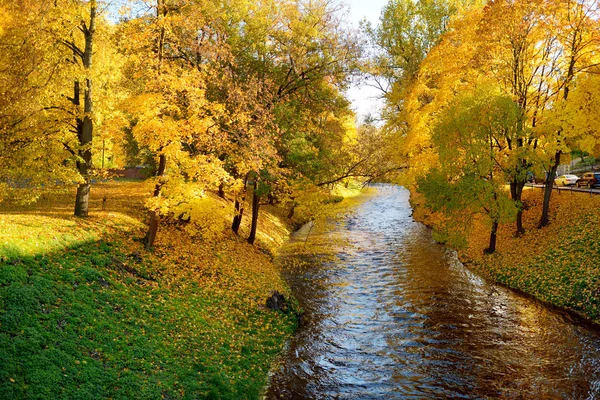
[
  {"x": 208, "y": 217},
  {"x": 49, "y": 225},
  {"x": 203, "y": 251},
  {"x": 5, "y": 19}
]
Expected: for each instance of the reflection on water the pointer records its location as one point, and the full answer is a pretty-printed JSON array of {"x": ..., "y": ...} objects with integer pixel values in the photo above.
[{"x": 397, "y": 316}]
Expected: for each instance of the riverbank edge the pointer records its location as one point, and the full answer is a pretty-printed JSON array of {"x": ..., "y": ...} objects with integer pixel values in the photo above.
[
  {"x": 194, "y": 303},
  {"x": 486, "y": 266},
  {"x": 347, "y": 200}
]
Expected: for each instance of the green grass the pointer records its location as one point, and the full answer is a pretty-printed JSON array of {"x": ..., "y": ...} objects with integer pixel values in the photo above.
[
  {"x": 75, "y": 325},
  {"x": 86, "y": 313}
]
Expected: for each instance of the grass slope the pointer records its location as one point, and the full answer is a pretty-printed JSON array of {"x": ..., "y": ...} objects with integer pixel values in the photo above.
[
  {"x": 86, "y": 313},
  {"x": 559, "y": 264}
]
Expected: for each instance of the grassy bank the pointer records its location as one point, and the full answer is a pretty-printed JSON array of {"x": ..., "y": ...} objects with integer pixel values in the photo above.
[
  {"x": 559, "y": 264},
  {"x": 86, "y": 313}
]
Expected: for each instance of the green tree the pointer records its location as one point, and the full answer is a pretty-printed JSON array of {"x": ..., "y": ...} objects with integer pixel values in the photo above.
[
  {"x": 292, "y": 59},
  {"x": 470, "y": 139}
]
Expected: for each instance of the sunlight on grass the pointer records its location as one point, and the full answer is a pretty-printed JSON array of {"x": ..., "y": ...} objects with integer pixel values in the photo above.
[
  {"x": 88, "y": 313},
  {"x": 28, "y": 235}
]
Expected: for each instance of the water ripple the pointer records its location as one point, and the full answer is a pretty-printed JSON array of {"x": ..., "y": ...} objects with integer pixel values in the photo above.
[{"x": 397, "y": 316}]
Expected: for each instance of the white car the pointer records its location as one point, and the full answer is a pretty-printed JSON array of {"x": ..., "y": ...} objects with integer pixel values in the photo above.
[{"x": 565, "y": 180}]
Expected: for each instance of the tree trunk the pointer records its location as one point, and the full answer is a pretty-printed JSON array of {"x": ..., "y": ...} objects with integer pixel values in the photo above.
[
  {"x": 493, "y": 236},
  {"x": 516, "y": 194},
  {"x": 85, "y": 127},
  {"x": 239, "y": 209},
  {"x": 152, "y": 229},
  {"x": 545, "y": 219},
  {"x": 82, "y": 199},
  {"x": 153, "y": 222},
  {"x": 84, "y": 166},
  {"x": 292, "y": 211},
  {"x": 237, "y": 218},
  {"x": 161, "y": 10},
  {"x": 255, "y": 206},
  {"x": 221, "y": 192}
]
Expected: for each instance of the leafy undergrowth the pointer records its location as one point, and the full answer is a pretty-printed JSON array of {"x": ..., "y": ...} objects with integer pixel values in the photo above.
[
  {"x": 85, "y": 312},
  {"x": 559, "y": 264}
]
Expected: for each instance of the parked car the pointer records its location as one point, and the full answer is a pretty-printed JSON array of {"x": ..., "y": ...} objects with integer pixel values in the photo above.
[
  {"x": 566, "y": 180},
  {"x": 589, "y": 179}
]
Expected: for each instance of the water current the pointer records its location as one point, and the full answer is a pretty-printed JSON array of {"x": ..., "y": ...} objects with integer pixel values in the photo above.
[{"x": 396, "y": 316}]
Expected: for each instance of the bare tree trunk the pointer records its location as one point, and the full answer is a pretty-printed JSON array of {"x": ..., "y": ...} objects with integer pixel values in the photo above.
[
  {"x": 255, "y": 207},
  {"x": 85, "y": 127},
  {"x": 545, "y": 218},
  {"x": 516, "y": 194},
  {"x": 221, "y": 192},
  {"x": 239, "y": 209},
  {"x": 153, "y": 222},
  {"x": 493, "y": 237},
  {"x": 290, "y": 214}
]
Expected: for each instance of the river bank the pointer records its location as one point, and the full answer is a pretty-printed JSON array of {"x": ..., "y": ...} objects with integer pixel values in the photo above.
[
  {"x": 559, "y": 264},
  {"x": 85, "y": 312}
]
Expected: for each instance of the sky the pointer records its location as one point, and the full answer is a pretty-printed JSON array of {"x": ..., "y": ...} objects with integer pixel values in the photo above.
[{"x": 364, "y": 98}]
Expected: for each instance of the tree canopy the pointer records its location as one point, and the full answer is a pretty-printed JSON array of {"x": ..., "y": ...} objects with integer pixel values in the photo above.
[
  {"x": 246, "y": 99},
  {"x": 207, "y": 95}
]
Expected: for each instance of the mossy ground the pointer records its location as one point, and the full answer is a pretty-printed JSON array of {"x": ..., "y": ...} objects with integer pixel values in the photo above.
[
  {"x": 559, "y": 264},
  {"x": 86, "y": 313}
]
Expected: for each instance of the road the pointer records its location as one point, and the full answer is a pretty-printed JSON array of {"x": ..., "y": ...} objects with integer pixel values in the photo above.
[{"x": 565, "y": 188}]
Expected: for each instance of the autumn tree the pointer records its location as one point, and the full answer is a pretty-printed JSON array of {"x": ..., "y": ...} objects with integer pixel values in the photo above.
[
  {"x": 580, "y": 114},
  {"x": 291, "y": 61},
  {"x": 47, "y": 65},
  {"x": 406, "y": 32},
  {"x": 508, "y": 42},
  {"x": 577, "y": 34},
  {"x": 30, "y": 143},
  {"x": 314, "y": 57},
  {"x": 170, "y": 114},
  {"x": 513, "y": 44},
  {"x": 82, "y": 55},
  {"x": 470, "y": 139}
]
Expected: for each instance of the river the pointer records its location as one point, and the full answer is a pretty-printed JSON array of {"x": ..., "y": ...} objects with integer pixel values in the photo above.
[{"x": 395, "y": 316}]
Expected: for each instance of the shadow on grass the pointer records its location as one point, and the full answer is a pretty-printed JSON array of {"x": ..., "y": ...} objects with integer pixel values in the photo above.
[{"x": 91, "y": 322}]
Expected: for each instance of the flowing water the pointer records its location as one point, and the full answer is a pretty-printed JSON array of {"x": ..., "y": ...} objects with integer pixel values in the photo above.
[{"x": 397, "y": 316}]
